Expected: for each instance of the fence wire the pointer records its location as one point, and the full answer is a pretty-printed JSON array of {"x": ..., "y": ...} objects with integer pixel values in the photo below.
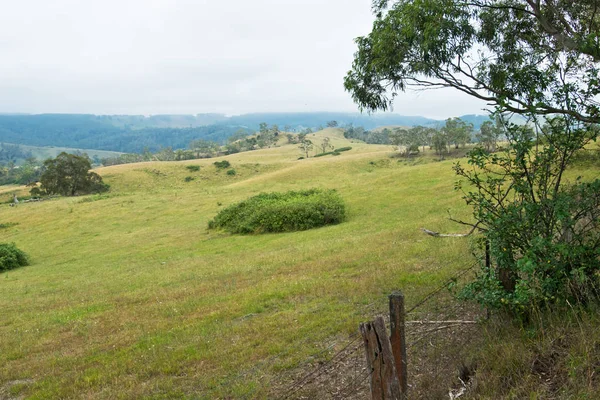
[{"x": 433, "y": 352}]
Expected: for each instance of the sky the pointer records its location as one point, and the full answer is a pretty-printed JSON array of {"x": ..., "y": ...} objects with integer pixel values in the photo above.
[{"x": 190, "y": 57}]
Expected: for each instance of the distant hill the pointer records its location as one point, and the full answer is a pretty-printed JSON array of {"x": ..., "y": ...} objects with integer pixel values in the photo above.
[
  {"x": 43, "y": 153},
  {"x": 134, "y": 133}
]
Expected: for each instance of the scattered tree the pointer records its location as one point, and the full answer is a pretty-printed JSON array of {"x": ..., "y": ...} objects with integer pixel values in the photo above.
[
  {"x": 69, "y": 175},
  {"x": 306, "y": 146}
]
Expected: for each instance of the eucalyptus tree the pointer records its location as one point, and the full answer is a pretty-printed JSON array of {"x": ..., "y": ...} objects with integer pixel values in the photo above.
[{"x": 536, "y": 58}]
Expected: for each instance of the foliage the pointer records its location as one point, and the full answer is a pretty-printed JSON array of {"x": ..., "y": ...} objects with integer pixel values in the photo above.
[
  {"x": 342, "y": 149},
  {"x": 305, "y": 146},
  {"x": 222, "y": 164},
  {"x": 371, "y": 137},
  {"x": 523, "y": 56},
  {"x": 193, "y": 168},
  {"x": 538, "y": 59},
  {"x": 326, "y": 145},
  {"x": 69, "y": 175},
  {"x": 489, "y": 134},
  {"x": 189, "y": 178},
  {"x": 458, "y": 132},
  {"x": 543, "y": 232},
  {"x": 282, "y": 212},
  {"x": 11, "y": 257},
  {"x": 231, "y": 172}
]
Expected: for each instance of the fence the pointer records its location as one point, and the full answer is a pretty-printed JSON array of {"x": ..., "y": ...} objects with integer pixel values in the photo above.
[{"x": 426, "y": 343}]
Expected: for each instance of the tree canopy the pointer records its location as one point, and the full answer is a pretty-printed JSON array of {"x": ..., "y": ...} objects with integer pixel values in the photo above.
[
  {"x": 69, "y": 175},
  {"x": 537, "y": 58},
  {"x": 521, "y": 55}
]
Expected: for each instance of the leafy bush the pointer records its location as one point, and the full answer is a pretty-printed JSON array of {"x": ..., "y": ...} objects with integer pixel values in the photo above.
[
  {"x": 542, "y": 231},
  {"x": 282, "y": 212},
  {"x": 193, "y": 168},
  {"x": 11, "y": 257},
  {"x": 189, "y": 178},
  {"x": 341, "y": 149},
  {"x": 231, "y": 172},
  {"x": 222, "y": 164}
]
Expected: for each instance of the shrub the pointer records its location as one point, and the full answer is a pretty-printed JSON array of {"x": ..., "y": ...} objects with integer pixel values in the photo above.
[
  {"x": 343, "y": 149},
  {"x": 282, "y": 212},
  {"x": 11, "y": 257},
  {"x": 189, "y": 178},
  {"x": 231, "y": 172},
  {"x": 222, "y": 164},
  {"x": 193, "y": 168}
]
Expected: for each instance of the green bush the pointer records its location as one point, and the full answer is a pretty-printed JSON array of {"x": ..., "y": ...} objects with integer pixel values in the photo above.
[
  {"x": 193, "y": 168},
  {"x": 231, "y": 172},
  {"x": 222, "y": 164},
  {"x": 189, "y": 178},
  {"x": 342, "y": 149},
  {"x": 11, "y": 257},
  {"x": 282, "y": 212}
]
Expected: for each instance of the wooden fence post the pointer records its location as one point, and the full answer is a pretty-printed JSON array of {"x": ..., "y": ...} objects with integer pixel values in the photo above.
[
  {"x": 398, "y": 339},
  {"x": 380, "y": 361}
]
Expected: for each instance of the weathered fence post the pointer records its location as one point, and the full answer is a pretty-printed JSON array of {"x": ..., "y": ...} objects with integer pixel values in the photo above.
[
  {"x": 398, "y": 339},
  {"x": 380, "y": 361}
]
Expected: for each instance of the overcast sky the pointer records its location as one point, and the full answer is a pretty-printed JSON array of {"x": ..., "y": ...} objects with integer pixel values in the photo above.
[{"x": 189, "y": 57}]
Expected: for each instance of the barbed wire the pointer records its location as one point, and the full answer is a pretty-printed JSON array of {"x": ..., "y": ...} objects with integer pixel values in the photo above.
[
  {"x": 434, "y": 292},
  {"x": 347, "y": 351}
]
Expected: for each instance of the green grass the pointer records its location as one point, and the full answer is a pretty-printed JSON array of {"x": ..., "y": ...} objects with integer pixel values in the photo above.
[{"x": 128, "y": 295}]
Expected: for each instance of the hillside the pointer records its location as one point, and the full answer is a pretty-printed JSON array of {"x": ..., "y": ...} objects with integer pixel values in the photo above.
[
  {"x": 129, "y": 293},
  {"x": 43, "y": 153},
  {"x": 130, "y": 296},
  {"x": 134, "y": 133}
]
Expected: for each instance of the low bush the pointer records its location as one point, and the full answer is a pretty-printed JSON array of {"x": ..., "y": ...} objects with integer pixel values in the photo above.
[
  {"x": 222, "y": 164},
  {"x": 282, "y": 212},
  {"x": 189, "y": 178},
  {"x": 231, "y": 172},
  {"x": 193, "y": 168},
  {"x": 11, "y": 257},
  {"x": 342, "y": 149}
]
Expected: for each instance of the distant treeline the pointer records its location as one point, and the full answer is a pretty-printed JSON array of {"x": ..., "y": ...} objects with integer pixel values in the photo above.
[
  {"x": 94, "y": 132},
  {"x": 135, "y": 133}
]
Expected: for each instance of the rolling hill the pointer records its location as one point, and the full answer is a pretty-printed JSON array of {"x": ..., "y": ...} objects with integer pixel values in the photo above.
[{"x": 128, "y": 294}]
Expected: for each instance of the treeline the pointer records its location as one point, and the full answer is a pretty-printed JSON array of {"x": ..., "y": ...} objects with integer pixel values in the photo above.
[
  {"x": 454, "y": 134},
  {"x": 134, "y": 133},
  {"x": 242, "y": 140},
  {"x": 101, "y": 133}
]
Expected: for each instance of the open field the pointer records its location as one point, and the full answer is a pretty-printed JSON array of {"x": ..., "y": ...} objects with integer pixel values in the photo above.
[{"x": 130, "y": 296}]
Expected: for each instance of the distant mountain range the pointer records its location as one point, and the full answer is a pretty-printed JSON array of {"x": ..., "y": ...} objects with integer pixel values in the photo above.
[{"x": 134, "y": 133}]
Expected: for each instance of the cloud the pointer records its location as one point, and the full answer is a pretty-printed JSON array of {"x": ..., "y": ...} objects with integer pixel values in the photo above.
[{"x": 188, "y": 56}]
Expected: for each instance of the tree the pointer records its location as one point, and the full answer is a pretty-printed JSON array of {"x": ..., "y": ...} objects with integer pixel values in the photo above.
[
  {"x": 332, "y": 124},
  {"x": 515, "y": 54},
  {"x": 263, "y": 127},
  {"x": 69, "y": 175},
  {"x": 538, "y": 58},
  {"x": 203, "y": 148},
  {"x": 458, "y": 132},
  {"x": 488, "y": 135},
  {"x": 439, "y": 142},
  {"x": 306, "y": 145},
  {"x": 326, "y": 145}
]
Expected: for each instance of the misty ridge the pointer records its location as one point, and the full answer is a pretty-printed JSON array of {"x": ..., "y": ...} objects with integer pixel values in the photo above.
[{"x": 138, "y": 133}]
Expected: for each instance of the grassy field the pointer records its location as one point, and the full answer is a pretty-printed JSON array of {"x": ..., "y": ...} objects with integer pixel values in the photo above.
[{"x": 129, "y": 295}]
